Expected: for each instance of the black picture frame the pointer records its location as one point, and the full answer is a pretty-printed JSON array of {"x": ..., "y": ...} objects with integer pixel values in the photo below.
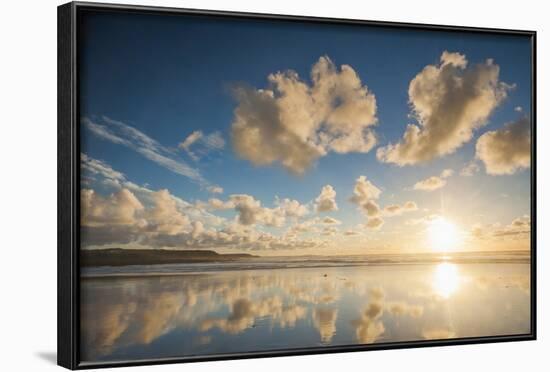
[{"x": 69, "y": 185}]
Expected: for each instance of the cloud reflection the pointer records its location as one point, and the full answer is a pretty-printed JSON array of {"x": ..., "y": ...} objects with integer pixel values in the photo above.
[{"x": 218, "y": 312}]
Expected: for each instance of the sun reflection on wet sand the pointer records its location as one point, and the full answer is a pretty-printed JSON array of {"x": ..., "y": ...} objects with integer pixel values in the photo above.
[{"x": 446, "y": 279}]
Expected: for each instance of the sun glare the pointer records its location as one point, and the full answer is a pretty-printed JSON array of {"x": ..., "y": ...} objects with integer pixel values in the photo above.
[{"x": 443, "y": 235}]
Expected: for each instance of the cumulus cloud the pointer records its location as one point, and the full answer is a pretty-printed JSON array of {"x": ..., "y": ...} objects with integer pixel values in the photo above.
[
  {"x": 364, "y": 191},
  {"x": 371, "y": 208},
  {"x": 397, "y": 210},
  {"x": 449, "y": 101},
  {"x": 506, "y": 150},
  {"x": 364, "y": 195},
  {"x": 430, "y": 184},
  {"x": 165, "y": 217},
  {"x": 217, "y": 204},
  {"x": 326, "y": 201},
  {"x": 293, "y": 122},
  {"x": 292, "y": 208},
  {"x": 120, "y": 208},
  {"x": 250, "y": 211},
  {"x": 134, "y": 214},
  {"x": 331, "y": 221},
  {"x": 374, "y": 223},
  {"x": 203, "y": 144},
  {"x": 434, "y": 182},
  {"x": 519, "y": 227}
]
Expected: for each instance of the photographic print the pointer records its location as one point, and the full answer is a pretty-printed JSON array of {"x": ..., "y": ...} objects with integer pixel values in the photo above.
[{"x": 256, "y": 185}]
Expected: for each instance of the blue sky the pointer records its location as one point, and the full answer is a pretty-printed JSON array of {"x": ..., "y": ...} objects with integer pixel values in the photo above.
[{"x": 169, "y": 76}]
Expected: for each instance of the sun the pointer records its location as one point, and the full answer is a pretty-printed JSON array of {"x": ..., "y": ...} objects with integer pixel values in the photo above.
[{"x": 443, "y": 235}]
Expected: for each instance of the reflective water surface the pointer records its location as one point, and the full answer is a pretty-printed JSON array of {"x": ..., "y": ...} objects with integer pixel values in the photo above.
[{"x": 160, "y": 316}]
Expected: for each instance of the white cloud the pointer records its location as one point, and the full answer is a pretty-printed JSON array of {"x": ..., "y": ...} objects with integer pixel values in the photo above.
[
  {"x": 119, "y": 208},
  {"x": 215, "y": 189},
  {"x": 371, "y": 208},
  {"x": 410, "y": 206},
  {"x": 518, "y": 109},
  {"x": 331, "y": 221},
  {"x": 519, "y": 228},
  {"x": 326, "y": 201},
  {"x": 397, "y": 210},
  {"x": 250, "y": 210},
  {"x": 294, "y": 123},
  {"x": 364, "y": 195},
  {"x": 218, "y": 204},
  {"x": 165, "y": 217},
  {"x": 136, "y": 215},
  {"x": 430, "y": 184},
  {"x": 203, "y": 143},
  {"x": 364, "y": 190},
  {"x": 506, "y": 150},
  {"x": 120, "y": 133},
  {"x": 190, "y": 139},
  {"x": 292, "y": 208},
  {"x": 98, "y": 167},
  {"x": 374, "y": 223},
  {"x": 449, "y": 102}
]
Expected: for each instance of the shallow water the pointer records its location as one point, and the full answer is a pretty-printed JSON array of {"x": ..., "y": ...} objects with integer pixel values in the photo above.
[{"x": 216, "y": 312}]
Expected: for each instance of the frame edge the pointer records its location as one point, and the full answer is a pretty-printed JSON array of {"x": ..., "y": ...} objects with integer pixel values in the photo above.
[{"x": 66, "y": 293}]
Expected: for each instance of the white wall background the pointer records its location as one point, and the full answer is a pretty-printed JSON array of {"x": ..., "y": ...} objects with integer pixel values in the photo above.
[{"x": 28, "y": 185}]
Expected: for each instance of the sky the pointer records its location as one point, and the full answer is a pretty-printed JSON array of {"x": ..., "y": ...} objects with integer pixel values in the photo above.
[{"x": 284, "y": 138}]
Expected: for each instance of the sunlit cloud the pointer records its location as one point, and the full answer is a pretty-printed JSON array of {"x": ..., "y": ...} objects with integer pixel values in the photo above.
[
  {"x": 506, "y": 150},
  {"x": 294, "y": 123},
  {"x": 434, "y": 182},
  {"x": 397, "y": 210},
  {"x": 449, "y": 101},
  {"x": 326, "y": 201}
]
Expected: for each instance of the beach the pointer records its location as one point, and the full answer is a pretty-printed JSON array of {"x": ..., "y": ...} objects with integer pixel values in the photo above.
[{"x": 185, "y": 310}]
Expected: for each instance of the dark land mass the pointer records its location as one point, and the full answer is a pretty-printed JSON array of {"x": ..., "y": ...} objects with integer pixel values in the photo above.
[{"x": 123, "y": 257}]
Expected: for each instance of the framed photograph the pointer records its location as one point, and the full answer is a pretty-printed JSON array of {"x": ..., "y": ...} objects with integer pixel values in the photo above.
[{"x": 236, "y": 185}]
